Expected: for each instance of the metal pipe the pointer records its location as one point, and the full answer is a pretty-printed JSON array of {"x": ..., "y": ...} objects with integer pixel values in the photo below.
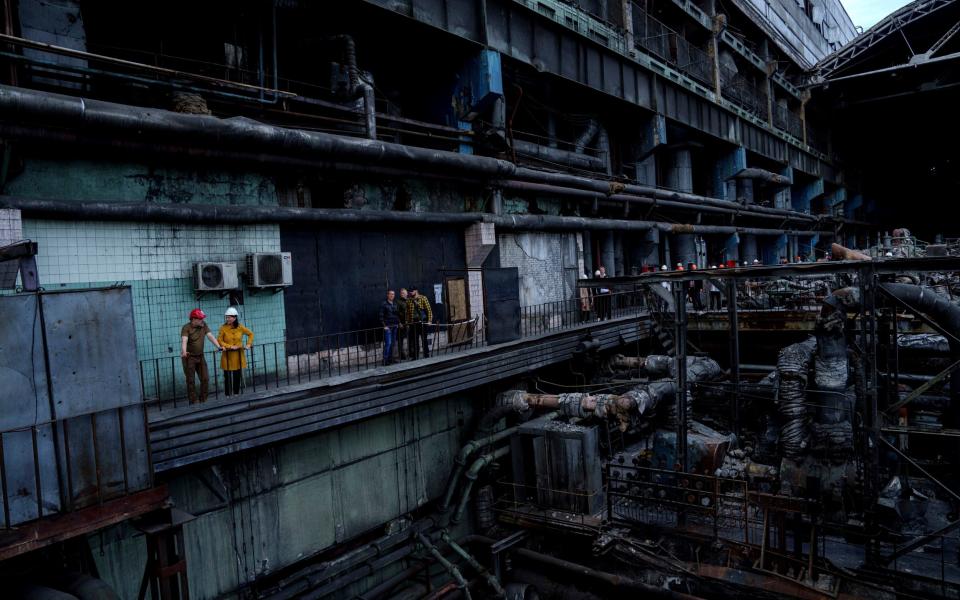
[
  {"x": 587, "y": 136},
  {"x": 523, "y": 186},
  {"x": 21, "y": 108},
  {"x": 385, "y": 586},
  {"x": 472, "y": 474},
  {"x": 241, "y": 215},
  {"x": 460, "y": 462},
  {"x": 556, "y": 155},
  {"x": 449, "y": 566},
  {"x": 333, "y": 569},
  {"x": 491, "y": 580},
  {"x": 617, "y": 581},
  {"x": 173, "y": 74},
  {"x": 765, "y": 176}
]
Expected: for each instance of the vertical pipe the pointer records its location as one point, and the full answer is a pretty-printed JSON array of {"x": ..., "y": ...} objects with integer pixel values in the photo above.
[
  {"x": 680, "y": 336},
  {"x": 734, "y": 353}
]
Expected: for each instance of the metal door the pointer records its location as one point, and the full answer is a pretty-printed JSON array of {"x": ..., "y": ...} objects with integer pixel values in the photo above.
[{"x": 501, "y": 290}]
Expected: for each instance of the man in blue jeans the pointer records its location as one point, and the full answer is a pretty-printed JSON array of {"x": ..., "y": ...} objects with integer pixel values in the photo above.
[{"x": 390, "y": 320}]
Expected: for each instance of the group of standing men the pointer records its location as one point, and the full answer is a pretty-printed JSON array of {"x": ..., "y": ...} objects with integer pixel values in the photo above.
[{"x": 407, "y": 316}]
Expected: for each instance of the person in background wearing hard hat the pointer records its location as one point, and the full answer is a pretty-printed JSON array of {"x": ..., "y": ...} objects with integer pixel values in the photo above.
[
  {"x": 234, "y": 359},
  {"x": 191, "y": 351}
]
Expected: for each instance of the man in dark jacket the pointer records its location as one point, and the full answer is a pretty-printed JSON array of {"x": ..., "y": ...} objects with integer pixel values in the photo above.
[
  {"x": 419, "y": 317},
  {"x": 402, "y": 331},
  {"x": 390, "y": 321}
]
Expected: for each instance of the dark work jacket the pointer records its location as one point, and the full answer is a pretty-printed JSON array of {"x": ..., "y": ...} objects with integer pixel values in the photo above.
[
  {"x": 401, "y": 304},
  {"x": 388, "y": 314}
]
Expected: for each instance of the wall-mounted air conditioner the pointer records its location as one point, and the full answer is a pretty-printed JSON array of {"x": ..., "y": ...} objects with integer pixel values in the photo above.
[
  {"x": 270, "y": 269},
  {"x": 215, "y": 276}
]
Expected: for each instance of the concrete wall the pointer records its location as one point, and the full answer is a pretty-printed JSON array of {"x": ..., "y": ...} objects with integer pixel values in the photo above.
[
  {"x": 547, "y": 263},
  {"x": 806, "y": 40},
  {"x": 280, "y": 505}
]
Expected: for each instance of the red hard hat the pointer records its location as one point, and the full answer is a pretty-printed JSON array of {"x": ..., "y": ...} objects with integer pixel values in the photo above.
[{"x": 197, "y": 314}]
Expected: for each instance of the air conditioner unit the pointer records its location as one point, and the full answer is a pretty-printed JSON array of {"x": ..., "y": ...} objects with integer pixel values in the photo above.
[
  {"x": 270, "y": 269},
  {"x": 215, "y": 276}
]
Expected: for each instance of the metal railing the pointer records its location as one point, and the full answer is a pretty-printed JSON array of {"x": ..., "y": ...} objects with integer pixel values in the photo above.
[
  {"x": 701, "y": 503},
  {"x": 291, "y": 362},
  {"x": 656, "y": 38},
  {"x": 744, "y": 93},
  {"x": 794, "y": 293},
  {"x": 590, "y": 308},
  {"x": 786, "y": 120},
  {"x": 60, "y": 465}
]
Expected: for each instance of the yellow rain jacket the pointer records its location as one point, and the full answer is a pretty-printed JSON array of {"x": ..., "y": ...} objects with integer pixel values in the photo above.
[{"x": 234, "y": 360}]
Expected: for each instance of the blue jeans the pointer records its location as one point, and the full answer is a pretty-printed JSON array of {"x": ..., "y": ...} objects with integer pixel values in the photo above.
[{"x": 389, "y": 339}]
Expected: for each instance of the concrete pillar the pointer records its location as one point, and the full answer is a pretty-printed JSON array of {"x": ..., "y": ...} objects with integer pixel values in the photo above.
[
  {"x": 685, "y": 249},
  {"x": 650, "y": 247},
  {"x": 588, "y": 266},
  {"x": 731, "y": 188},
  {"x": 774, "y": 249},
  {"x": 608, "y": 252},
  {"x": 745, "y": 191},
  {"x": 680, "y": 170},
  {"x": 618, "y": 258},
  {"x": 748, "y": 248},
  {"x": 731, "y": 248}
]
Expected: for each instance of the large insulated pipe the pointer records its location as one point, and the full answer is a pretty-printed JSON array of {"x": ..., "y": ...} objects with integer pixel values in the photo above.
[
  {"x": 758, "y": 212},
  {"x": 768, "y": 177},
  {"x": 46, "y": 116},
  {"x": 359, "y": 87},
  {"x": 243, "y": 215},
  {"x": 793, "y": 367},
  {"x": 580, "y": 144},
  {"x": 624, "y": 407},
  {"x": 558, "y": 156}
]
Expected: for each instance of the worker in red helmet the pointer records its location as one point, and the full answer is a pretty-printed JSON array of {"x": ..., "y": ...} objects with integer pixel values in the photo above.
[{"x": 191, "y": 351}]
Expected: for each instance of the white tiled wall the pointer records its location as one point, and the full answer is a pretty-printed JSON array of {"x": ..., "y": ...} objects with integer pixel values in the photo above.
[
  {"x": 105, "y": 251},
  {"x": 10, "y": 231}
]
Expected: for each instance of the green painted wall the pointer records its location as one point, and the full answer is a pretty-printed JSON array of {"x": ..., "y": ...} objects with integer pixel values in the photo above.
[{"x": 282, "y": 504}]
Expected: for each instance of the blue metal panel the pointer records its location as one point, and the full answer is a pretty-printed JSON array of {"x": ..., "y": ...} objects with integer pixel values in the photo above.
[
  {"x": 726, "y": 167},
  {"x": 774, "y": 248},
  {"x": 853, "y": 204},
  {"x": 731, "y": 247},
  {"x": 465, "y": 146},
  {"x": 834, "y": 201},
  {"x": 803, "y": 195},
  {"x": 480, "y": 83}
]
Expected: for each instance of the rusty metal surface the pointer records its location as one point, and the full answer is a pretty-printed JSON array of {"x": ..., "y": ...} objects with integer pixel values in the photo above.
[
  {"x": 72, "y": 427},
  {"x": 49, "y": 531},
  {"x": 92, "y": 350}
]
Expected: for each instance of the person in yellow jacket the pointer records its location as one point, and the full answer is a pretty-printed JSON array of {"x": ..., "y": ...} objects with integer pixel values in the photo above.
[{"x": 234, "y": 358}]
